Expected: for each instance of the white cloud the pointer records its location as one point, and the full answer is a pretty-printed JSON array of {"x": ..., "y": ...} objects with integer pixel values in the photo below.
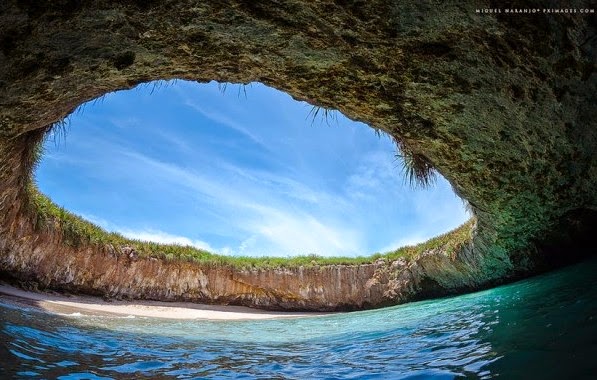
[
  {"x": 309, "y": 196},
  {"x": 274, "y": 226},
  {"x": 126, "y": 122},
  {"x": 162, "y": 237},
  {"x": 100, "y": 222},
  {"x": 152, "y": 235},
  {"x": 404, "y": 242},
  {"x": 224, "y": 120},
  {"x": 321, "y": 222},
  {"x": 283, "y": 233}
]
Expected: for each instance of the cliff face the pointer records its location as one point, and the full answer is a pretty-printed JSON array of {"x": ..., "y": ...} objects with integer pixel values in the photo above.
[
  {"x": 43, "y": 258},
  {"x": 502, "y": 105}
]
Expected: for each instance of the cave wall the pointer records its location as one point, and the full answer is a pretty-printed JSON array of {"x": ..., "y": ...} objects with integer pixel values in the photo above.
[{"x": 501, "y": 105}]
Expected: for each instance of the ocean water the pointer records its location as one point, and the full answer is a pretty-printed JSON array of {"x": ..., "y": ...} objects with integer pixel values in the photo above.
[{"x": 541, "y": 328}]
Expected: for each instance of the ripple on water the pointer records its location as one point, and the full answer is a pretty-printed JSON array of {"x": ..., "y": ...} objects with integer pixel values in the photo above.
[{"x": 544, "y": 327}]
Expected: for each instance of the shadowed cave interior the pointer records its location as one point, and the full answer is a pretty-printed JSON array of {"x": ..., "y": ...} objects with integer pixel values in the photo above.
[{"x": 505, "y": 114}]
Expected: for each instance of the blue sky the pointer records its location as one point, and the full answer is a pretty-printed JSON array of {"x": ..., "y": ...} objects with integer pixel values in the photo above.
[{"x": 182, "y": 162}]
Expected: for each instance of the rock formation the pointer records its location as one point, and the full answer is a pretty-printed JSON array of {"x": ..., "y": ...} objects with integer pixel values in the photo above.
[{"x": 502, "y": 105}]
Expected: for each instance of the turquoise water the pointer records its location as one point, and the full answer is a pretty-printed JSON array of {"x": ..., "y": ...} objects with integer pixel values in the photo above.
[{"x": 542, "y": 328}]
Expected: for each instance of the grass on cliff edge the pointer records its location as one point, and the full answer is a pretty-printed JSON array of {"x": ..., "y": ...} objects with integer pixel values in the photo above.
[{"x": 78, "y": 232}]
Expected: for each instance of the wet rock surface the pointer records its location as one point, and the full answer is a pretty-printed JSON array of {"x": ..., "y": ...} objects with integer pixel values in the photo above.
[{"x": 503, "y": 106}]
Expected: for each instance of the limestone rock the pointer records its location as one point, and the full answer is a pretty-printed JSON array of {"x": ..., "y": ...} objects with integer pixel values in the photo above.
[{"x": 503, "y": 106}]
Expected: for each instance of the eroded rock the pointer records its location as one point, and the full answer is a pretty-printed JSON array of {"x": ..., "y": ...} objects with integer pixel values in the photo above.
[{"x": 502, "y": 105}]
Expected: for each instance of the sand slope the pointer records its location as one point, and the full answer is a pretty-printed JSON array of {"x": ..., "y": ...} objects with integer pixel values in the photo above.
[{"x": 63, "y": 304}]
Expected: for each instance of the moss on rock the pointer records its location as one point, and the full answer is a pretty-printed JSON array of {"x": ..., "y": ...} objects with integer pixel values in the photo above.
[{"x": 502, "y": 105}]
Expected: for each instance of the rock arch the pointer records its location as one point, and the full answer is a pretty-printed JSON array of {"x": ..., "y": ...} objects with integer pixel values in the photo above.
[{"x": 502, "y": 105}]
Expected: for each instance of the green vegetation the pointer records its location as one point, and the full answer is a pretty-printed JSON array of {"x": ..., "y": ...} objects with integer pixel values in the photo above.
[
  {"x": 78, "y": 232},
  {"x": 326, "y": 114},
  {"x": 417, "y": 169}
]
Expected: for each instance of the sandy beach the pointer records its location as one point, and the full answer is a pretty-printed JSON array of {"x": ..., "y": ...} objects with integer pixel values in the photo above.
[{"x": 87, "y": 305}]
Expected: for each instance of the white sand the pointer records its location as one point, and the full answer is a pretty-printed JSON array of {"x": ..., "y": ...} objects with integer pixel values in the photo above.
[{"x": 62, "y": 304}]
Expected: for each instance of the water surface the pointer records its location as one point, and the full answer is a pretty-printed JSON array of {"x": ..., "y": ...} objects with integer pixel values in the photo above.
[{"x": 544, "y": 328}]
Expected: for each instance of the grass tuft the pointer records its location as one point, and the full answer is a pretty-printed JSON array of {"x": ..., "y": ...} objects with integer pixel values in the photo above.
[
  {"x": 242, "y": 88},
  {"x": 326, "y": 115},
  {"x": 417, "y": 169},
  {"x": 58, "y": 131},
  {"x": 78, "y": 232}
]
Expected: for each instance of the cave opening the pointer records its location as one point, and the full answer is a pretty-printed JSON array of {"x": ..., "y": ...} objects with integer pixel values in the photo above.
[{"x": 241, "y": 170}]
